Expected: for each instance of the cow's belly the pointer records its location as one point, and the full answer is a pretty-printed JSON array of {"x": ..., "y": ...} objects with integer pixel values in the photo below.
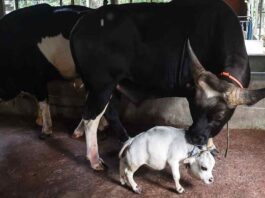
[{"x": 57, "y": 51}]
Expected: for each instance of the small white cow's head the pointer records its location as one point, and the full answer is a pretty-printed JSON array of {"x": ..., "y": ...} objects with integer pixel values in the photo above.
[{"x": 201, "y": 166}]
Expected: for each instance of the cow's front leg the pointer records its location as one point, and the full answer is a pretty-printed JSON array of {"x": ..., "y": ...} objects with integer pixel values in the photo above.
[
  {"x": 176, "y": 175},
  {"x": 95, "y": 107},
  {"x": 44, "y": 118},
  {"x": 91, "y": 127}
]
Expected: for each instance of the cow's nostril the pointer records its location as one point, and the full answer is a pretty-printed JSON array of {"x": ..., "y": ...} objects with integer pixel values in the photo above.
[{"x": 211, "y": 180}]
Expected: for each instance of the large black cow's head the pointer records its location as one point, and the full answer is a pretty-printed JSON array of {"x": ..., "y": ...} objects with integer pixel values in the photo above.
[{"x": 214, "y": 101}]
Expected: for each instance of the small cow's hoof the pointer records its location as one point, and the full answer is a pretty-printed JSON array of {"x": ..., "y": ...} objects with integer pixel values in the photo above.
[
  {"x": 43, "y": 136},
  {"x": 122, "y": 181},
  {"x": 180, "y": 190},
  {"x": 99, "y": 165},
  {"x": 138, "y": 190},
  {"x": 214, "y": 152},
  {"x": 77, "y": 134}
]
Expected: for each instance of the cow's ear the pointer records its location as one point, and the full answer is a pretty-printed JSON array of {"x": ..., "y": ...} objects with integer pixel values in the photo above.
[
  {"x": 189, "y": 160},
  {"x": 239, "y": 96}
]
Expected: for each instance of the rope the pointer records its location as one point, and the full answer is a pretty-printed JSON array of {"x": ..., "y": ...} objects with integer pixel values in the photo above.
[{"x": 227, "y": 140}]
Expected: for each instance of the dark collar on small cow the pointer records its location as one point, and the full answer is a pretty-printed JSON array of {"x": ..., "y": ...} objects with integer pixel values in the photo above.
[
  {"x": 195, "y": 150},
  {"x": 234, "y": 79}
]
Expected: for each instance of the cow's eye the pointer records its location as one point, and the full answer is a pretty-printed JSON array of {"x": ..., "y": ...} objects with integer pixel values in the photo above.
[{"x": 203, "y": 168}]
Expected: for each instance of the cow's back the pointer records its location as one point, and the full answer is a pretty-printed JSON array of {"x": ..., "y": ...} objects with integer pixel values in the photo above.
[
  {"x": 149, "y": 39},
  {"x": 22, "y": 31}
]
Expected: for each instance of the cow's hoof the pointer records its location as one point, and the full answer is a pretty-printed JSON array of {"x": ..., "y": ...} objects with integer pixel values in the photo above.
[
  {"x": 77, "y": 134},
  {"x": 99, "y": 165},
  {"x": 180, "y": 190},
  {"x": 138, "y": 190},
  {"x": 43, "y": 136}
]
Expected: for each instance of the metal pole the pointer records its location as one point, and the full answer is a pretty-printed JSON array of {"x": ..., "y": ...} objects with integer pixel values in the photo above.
[
  {"x": 2, "y": 8},
  {"x": 16, "y": 5},
  {"x": 72, "y": 2},
  {"x": 260, "y": 17}
]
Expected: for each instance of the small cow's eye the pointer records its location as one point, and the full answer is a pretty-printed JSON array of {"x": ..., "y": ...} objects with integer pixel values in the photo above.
[{"x": 203, "y": 168}]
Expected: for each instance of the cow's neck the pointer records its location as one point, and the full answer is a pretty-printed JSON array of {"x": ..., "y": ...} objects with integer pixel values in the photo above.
[{"x": 239, "y": 73}]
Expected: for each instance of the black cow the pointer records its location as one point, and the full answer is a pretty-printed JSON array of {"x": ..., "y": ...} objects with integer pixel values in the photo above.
[
  {"x": 147, "y": 45},
  {"x": 34, "y": 49}
]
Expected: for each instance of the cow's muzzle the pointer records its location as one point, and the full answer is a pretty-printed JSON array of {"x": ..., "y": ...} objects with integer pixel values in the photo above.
[{"x": 196, "y": 139}]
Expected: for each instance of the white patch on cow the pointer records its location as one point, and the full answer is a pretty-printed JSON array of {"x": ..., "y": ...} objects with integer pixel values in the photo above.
[
  {"x": 209, "y": 92},
  {"x": 57, "y": 51}
]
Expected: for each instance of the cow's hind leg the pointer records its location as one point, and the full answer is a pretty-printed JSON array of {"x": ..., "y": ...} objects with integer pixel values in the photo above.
[
  {"x": 113, "y": 118},
  {"x": 44, "y": 119},
  {"x": 80, "y": 130},
  {"x": 95, "y": 107}
]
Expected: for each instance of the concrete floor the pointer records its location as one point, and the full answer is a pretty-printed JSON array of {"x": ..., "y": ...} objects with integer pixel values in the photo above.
[{"x": 57, "y": 167}]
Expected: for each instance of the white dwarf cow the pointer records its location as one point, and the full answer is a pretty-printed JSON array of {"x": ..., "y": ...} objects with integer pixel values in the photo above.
[{"x": 160, "y": 146}]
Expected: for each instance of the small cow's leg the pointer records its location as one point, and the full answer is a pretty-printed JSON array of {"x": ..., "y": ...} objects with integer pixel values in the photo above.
[
  {"x": 129, "y": 175},
  {"x": 44, "y": 112},
  {"x": 80, "y": 130},
  {"x": 122, "y": 171},
  {"x": 176, "y": 175}
]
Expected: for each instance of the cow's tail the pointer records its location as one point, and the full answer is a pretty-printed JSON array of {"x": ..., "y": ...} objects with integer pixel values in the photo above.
[{"x": 125, "y": 146}]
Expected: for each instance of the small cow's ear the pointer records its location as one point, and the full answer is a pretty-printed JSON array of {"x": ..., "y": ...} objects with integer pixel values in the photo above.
[{"x": 189, "y": 160}]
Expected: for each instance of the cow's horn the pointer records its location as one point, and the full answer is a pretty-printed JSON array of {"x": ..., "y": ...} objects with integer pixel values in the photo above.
[
  {"x": 196, "y": 67},
  {"x": 240, "y": 96}
]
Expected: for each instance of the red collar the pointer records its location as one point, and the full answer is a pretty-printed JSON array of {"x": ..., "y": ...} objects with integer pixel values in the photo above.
[{"x": 226, "y": 74}]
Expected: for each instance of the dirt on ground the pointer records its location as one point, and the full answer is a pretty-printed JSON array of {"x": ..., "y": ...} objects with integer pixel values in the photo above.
[{"x": 57, "y": 167}]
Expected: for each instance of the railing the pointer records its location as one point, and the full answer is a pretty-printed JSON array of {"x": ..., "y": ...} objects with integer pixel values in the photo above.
[{"x": 247, "y": 26}]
